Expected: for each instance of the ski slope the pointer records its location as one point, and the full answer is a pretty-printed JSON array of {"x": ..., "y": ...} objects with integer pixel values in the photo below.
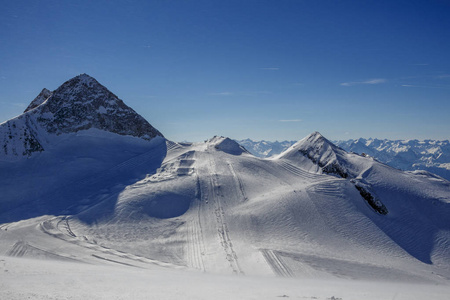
[{"x": 182, "y": 209}]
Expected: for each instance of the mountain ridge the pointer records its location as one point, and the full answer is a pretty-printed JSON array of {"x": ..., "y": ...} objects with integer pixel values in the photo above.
[{"x": 408, "y": 155}]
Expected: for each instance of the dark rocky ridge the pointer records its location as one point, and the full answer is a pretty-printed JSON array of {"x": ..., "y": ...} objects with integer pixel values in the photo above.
[
  {"x": 43, "y": 95},
  {"x": 82, "y": 103}
]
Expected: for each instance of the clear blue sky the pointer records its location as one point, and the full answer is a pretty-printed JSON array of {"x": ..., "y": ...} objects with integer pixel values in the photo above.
[{"x": 269, "y": 70}]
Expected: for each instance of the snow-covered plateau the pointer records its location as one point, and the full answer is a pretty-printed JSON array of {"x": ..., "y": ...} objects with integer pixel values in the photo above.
[{"x": 109, "y": 210}]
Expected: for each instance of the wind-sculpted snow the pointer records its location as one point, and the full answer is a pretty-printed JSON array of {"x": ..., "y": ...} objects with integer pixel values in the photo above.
[{"x": 79, "y": 104}]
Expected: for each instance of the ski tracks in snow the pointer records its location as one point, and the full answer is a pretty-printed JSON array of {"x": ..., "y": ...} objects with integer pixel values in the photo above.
[
  {"x": 300, "y": 172},
  {"x": 59, "y": 228},
  {"x": 276, "y": 263},
  {"x": 238, "y": 181},
  {"x": 212, "y": 193},
  {"x": 195, "y": 244}
]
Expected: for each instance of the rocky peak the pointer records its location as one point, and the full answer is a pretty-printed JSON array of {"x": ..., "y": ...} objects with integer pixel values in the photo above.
[
  {"x": 78, "y": 104},
  {"x": 43, "y": 95},
  {"x": 321, "y": 152},
  {"x": 82, "y": 103}
]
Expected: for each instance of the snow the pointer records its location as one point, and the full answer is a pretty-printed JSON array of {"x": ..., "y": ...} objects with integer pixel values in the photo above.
[
  {"x": 155, "y": 216},
  {"x": 102, "y": 215},
  {"x": 42, "y": 279},
  {"x": 429, "y": 155}
]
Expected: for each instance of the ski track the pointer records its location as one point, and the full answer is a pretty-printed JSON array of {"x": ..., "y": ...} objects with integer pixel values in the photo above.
[
  {"x": 276, "y": 263},
  {"x": 196, "y": 246},
  {"x": 58, "y": 227},
  {"x": 238, "y": 181},
  {"x": 300, "y": 172},
  {"x": 21, "y": 248},
  {"x": 222, "y": 227},
  {"x": 172, "y": 145}
]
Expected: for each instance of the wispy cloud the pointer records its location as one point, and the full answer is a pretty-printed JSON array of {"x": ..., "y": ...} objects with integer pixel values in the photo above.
[
  {"x": 426, "y": 86},
  {"x": 270, "y": 69},
  {"x": 293, "y": 120},
  {"x": 221, "y": 94},
  {"x": 370, "y": 81},
  {"x": 420, "y": 64}
]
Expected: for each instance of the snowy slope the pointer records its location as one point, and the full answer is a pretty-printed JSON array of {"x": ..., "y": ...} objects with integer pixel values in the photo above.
[
  {"x": 213, "y": 207},
  {"x": 315, "y": 212}
]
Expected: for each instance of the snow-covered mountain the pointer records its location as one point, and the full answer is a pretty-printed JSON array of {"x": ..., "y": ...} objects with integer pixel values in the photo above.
[
  {"x": 265, "y": 148},
  {"x": 79, "y": 104},
  {"x": 315, "y": 211},
  {"x": 408, "y": 155},
  {"x": 429, "y": 155}
]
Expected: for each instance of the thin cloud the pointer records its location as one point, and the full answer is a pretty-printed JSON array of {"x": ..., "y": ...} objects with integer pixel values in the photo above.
[
  {"x": 370, "y": 81},
  {"x": 270, "y": 69},
  {"x": 293, "y": 120},
  {"x": 426, "y": 86}
]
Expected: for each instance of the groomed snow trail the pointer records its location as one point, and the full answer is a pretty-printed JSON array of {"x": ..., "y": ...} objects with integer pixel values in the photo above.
[
  {"x": 195, "y": 242},
  {"x": 277, "y": 263},
  {"x": 58, "y": 227}
]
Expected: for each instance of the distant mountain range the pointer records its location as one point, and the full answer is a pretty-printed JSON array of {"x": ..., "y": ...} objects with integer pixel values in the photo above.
[{"x": 409, "y": 155}]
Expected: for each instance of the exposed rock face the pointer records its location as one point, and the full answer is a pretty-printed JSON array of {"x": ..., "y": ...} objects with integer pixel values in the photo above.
[
  {"x": 82, "y": 103},
  {"x": 43, "y": 95},
  {"x": 79, "y": 104},
  {"x": 321, "y": 152}
]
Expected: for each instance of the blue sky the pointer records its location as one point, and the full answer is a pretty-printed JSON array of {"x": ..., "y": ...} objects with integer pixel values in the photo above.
[{"x": 270, "y": 70}]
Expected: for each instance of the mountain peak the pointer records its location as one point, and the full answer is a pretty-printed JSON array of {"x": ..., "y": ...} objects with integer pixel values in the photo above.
[
  {"x": 43, "y": 95},
  {"x": 84, "y": 79},
  {"x": 80, "y": 103},
  {"x": 227, "y": 145},
  {"x": 316, "y": 149},
  {"x": 316, "y": 137}
]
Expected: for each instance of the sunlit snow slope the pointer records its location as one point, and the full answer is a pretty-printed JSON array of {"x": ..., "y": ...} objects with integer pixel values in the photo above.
[{"x": 314, "y": 211}]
